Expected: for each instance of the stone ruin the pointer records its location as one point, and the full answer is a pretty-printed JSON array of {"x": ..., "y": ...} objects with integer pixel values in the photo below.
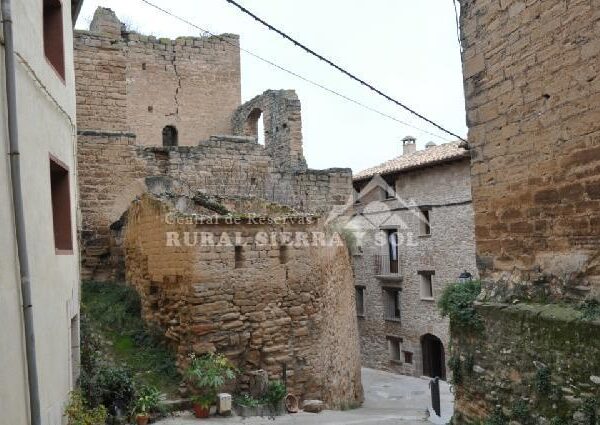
[
  {"x": 149, "y": 107},
  {"x": 234, "y": 276}
]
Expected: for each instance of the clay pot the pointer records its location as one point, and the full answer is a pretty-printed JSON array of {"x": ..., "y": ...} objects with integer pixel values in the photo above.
[
  {"x": 142, "y": 419},
  {"x": 201, "y": 412}
]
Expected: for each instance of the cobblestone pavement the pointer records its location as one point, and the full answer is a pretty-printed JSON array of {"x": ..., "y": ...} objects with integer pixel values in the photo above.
[{"x": 389, "y": 399}]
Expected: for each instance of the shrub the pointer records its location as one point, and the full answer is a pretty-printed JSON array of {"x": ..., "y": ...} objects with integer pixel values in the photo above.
[
  {"x": 147, "y": 400},
  {"x": 590, "y": 309},
  {"x": 78, "y": 413},
  {"x": 109, "y": 386},
  {"x": 275, "y": 393},
  {"x": 246, "y": 400},
  {"x": 207, "y": 374},
  {"x": 455, "y": 364},
  {"x": 496, "y": 418},
  {"x": 457, "y": 302},
  {"x": 589, "y": 410},
  {"x": 520, "y": 412},
  {"x": 542, "y": 381}
]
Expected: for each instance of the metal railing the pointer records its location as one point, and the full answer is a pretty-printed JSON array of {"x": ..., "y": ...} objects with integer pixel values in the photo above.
[{"x": 386, "y": 266}]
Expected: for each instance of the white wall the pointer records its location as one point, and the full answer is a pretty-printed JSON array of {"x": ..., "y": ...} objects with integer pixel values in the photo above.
[{"x": 46, "y": 113}]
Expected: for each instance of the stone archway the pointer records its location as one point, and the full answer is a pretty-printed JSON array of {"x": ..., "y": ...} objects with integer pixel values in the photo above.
[{"x": 434, "y": 357}]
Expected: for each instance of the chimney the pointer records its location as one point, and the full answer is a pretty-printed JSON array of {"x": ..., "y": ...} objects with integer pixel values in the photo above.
[{"x": 409, "y": 145}]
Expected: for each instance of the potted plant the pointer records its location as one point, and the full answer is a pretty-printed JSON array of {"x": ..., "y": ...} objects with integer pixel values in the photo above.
[
  {"x": 147, "y": 401},
  {"x": 206, "y": 375}
]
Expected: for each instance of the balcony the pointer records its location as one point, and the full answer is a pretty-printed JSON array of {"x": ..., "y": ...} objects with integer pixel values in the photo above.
[{"x": 386, "y": 268}]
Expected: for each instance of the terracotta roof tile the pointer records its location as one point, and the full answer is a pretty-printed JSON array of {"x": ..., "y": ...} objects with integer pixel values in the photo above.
[{"x": 419, "y": 159}]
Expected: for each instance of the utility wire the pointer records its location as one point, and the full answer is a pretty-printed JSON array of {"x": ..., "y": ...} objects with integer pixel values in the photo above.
[
  {"x": 314, "y": 83},
  {"x": 342, "y": 70}
]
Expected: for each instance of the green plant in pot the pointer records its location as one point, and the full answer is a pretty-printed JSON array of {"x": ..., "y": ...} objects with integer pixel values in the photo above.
[
  {"x": 206, "y": 375},
  {"x": 145, "y": 403}
]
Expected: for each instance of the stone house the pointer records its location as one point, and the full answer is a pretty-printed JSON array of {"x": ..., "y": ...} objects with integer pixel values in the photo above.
[
  {"x": 36, "y": 378},
  {"x": 261, "y": 283},
  {"x": 415, "y": 234},
  {"x": 172, "y": 108}
]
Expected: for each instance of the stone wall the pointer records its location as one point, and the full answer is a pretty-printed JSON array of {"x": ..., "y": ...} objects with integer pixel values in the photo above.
[
  {"x": 271, "y": 306},
  {"x": 532, "y": 96},
  {"x": 113, "y": 170},
  {"x": 136, "y": 83},
  {"x": 447, "y": 251},
  {"x": 530, "y": 361},
  {"x": 130, "y": 86}
]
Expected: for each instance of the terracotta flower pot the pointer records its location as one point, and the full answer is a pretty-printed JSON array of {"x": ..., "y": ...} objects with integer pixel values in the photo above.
[
  {"x": 142, "y": 419},
  {"x": 201, "y": 412}
]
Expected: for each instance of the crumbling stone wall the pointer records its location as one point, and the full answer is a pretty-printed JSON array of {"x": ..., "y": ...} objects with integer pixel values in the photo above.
[
  {"x": 129, "y": 86},
  {"x": 145, "y": 83},
  {"x": 294, "y": 307},
  {"x": 532, "y": 90}
]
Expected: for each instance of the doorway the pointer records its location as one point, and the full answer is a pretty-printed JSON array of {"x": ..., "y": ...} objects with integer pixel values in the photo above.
[{"x": 434, "y": 361}]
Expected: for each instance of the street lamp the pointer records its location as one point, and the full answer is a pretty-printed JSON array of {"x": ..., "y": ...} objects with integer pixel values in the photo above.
[{"x": 465, "y": 277}]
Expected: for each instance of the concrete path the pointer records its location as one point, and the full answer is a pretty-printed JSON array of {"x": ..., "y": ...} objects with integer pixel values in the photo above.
[{"x": 389, "y": 399}]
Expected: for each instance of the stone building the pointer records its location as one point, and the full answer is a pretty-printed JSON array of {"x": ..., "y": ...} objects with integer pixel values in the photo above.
[
  {"x": 160, "y": 107},
  {"x": 253, "y": 282},
  {"x": 533, "y": 108},
  {"x": 415, "y": 234},
  {"x": 43, "y": 108}
]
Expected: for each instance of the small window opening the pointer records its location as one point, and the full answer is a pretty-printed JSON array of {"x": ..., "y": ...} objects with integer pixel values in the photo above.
[
  {"x": 408, "y": 357},
  {"x": 169, "y": 135},
  {"x": 360, "y": 301},
  {"x": 239, "y": 257},
  {"x": 390, "y": 189},
  {"x": 150, "y": 108},
  {"x": 61, "y": 207},
  {"x": 144, "y": 66},
  {"x": 426, "y": 284},
  {"x": 392, "y": 303},
  {"x": 53, "y": 36},
  {"x": 75, "y": 350},
  {"x": 283, "y": 254},
  {"x": 395, "y": 347},
  {"x": 424, "y": 222}
]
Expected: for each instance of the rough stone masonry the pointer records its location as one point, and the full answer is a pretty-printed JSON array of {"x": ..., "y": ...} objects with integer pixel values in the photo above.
[
  {"x": 160, "y": 107},
  {"x": 533, "y": 109},
  {"x": 248, "y": 287}
]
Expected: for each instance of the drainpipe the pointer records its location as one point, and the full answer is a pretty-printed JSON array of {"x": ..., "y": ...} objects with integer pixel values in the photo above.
[{"x": 17, "y": 196}]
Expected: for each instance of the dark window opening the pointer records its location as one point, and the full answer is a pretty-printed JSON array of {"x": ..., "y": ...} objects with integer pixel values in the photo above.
[
  {"x": 408, "y": 357},
  {"x": 255, "y": 126},
  {"x": 283, "y": 254},
  {"x": 425, "y": 224},
  {"x": 392, "y": 303},
  {"x": 169, "y": 136},
  {"x": 360, "y": 301},
  {"x": 53, "y": 36},
  {"x": 392, "y": 245},
  {"x": 390, "y": 189},
  {"x": 61, "y": 206},
  {"x": 239, "y": 257}
]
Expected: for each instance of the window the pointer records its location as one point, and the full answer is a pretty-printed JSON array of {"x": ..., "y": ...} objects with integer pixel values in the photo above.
[
  {"x": 255, "y": 126},
  {"x": 408, "y": 357},
  {"x": 239, "y": 257},
  {"x": 53, "y": 36},
  {"x": 424, "y": 223},
  {"x": 392, "y": 303},
  {"x": 169, "y": 136},
  {"x": 394, "y": 345},
  {"x": 61, "y": 207},
  {"x": 426, "y": 284},
  {"x": 390, "y": 189},
  {"x": 392, "y": 244},
  {"x": 283, "y": 254},
  {"x": 360, "y": 300}
]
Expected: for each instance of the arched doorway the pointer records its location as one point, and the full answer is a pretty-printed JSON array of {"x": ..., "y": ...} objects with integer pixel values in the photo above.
[{"x": 434, "y": 359}]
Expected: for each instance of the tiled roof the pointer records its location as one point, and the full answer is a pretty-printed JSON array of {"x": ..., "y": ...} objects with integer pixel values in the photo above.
[{"x": 419, "y": 159}]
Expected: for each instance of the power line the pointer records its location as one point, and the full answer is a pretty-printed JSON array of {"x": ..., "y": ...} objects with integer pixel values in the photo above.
[
  {"x": 342, "y": 70},
  {"x": 295, "y": 74}
]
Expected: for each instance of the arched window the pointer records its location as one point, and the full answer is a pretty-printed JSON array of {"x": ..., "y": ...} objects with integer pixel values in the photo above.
[
  {"x": 255, "y": 125},
  {"x": 169, "y": 136}
]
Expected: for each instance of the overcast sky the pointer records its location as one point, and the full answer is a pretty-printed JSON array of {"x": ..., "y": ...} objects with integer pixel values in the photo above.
[{"x": 408, "y": 49}]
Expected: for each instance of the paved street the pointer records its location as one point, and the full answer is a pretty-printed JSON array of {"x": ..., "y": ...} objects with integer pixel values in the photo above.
[{"x": 389, "y": 399}]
